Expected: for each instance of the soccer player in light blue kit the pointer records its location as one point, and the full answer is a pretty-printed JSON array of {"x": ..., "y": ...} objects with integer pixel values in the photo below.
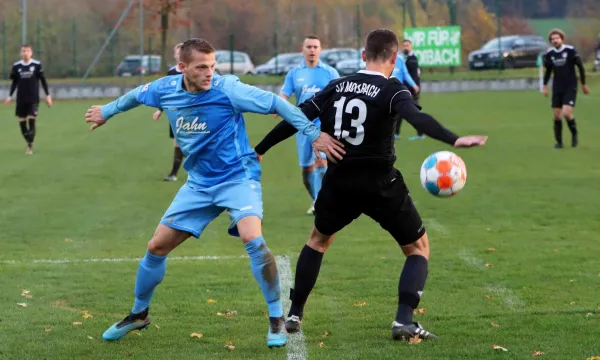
[
  {"x": 305, "y": 80},
  {"x": 205, "y": 113},
  {"x": 401, "y": 73}
]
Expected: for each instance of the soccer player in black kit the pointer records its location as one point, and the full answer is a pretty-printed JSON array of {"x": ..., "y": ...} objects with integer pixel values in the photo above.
[
  {"x": 412, "y": 65},
  {"x": 562, "y": 59},
  {"x": 359, "y": 110},
  {"x": 177, "y": 153},
  {"x": 26, "y": 76}
]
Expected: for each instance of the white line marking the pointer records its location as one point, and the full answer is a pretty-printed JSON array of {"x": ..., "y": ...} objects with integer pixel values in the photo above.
[
  {"x": 435, "y": 225},
  {"x": 296, "y": 345},
  {"x": 109, "y": 260},
  {"x": 472, "y": 261},
  {"x": 511, "y": 300}
]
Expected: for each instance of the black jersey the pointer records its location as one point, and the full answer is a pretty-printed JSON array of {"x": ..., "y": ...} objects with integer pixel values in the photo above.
[
  {"x": 174, "y": 71},
  {"x": 359, "y": 110},
  {"x": 562, "y": 63},
  {"x": 412, "y": 65},
  {"x": 26, "y": 79}
]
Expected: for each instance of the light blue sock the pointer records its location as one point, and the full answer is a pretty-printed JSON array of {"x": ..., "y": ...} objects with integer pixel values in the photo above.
[
  {"x": 265, "y": 272},
  {"x": 150, "y": 273},
  {"x": 315, "y": 182}
]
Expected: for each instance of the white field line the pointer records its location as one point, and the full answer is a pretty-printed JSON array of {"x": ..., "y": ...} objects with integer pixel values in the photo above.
[
  {"x": 110, "y": 260},
  {"x": 296, "y": 345}
]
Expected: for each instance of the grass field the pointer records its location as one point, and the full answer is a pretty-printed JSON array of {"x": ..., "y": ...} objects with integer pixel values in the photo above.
[{"x": 99, "y": 196}]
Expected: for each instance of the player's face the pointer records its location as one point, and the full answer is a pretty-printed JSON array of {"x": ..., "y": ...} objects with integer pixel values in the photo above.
[
  {"x": 556, "y": 40},
  {"x": 26, "y": 53},
  {"x": 311, "y": 49},
  {"x": 406, "y": 47},
  {"x": 200, "y": 69}
]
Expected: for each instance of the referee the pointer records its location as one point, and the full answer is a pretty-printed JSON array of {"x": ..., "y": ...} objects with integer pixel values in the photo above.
[{"x": 26, "y": 76}]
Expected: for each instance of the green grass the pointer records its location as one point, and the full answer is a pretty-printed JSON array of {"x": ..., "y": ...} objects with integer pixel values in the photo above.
[{"x": 537, "y": 207}]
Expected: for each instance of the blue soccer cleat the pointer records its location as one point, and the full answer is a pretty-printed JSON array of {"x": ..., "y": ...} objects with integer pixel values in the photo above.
[
  {"x": 277, "y": 337},
  {"x": 130, "y": 323}
]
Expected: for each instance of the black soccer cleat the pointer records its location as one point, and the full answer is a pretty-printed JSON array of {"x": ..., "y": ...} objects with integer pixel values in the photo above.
[
  {"x": 402, "y": 332},
  {"x": 574, "y": 140},
  {"x": 293, "y": 324},
  {"x": 559, "y": 146}
]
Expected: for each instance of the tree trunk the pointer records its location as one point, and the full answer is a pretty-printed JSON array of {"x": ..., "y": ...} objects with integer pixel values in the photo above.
[{"x": 164, "y": 30}]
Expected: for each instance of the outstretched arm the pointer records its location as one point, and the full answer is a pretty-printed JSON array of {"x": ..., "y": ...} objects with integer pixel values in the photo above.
[{"x": 282, "y": 131}]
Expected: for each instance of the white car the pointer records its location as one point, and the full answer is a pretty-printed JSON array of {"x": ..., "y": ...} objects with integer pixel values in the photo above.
[{"x": 242, "y": 65}]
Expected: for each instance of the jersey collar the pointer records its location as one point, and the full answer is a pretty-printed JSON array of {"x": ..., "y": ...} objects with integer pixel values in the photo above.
[
  {"x": 561, "y": 48},
  {"x": 369, "y": 72},
  {"x": 179, "y": 86},
  {"x": 303, "y": 64}
]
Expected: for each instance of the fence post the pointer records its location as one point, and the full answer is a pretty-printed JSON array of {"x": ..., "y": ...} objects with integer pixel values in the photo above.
[
  {"x": 4, "y": 75},
  {"x": 358, "y": 31},
  {"x": 38, "y": 49},
  {"x": 275, "y": 40},
  {"x": 315, "y": 19},
  {"x": 499, "y": 16},
  {"x": 74, "y": 46}
]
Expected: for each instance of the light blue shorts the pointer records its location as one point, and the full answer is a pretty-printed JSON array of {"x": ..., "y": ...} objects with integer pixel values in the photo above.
[
  {"x": 193, "y": 209},
  {"x": 304, "y": 148}
]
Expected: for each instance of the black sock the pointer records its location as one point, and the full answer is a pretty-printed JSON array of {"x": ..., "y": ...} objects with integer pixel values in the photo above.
[
  {"x": 307, "y": 271},
  {"x": 177, "y": 159},
  {"x": 572, "y": 126},
  {"x": 558, "y": 131},
  {"x": 410, "y": 287},
  {"x": 31, "y": 130},
  {"x": 140, "y": 316},
  {"x": 24, "y": 130}
]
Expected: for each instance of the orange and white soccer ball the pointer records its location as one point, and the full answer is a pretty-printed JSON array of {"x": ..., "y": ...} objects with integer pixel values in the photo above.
[{"x": 443, "y": 174}]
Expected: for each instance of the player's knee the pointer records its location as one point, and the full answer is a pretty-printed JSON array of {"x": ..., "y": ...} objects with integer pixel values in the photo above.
[
  {"x": 419, "y": 247},
  {"x": 319, "y": 241},
  {"x": 156, "y": 247},
  {"x": 249, "y": 228}
]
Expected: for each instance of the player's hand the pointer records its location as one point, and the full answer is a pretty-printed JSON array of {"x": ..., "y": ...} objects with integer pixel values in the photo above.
[
  {"x": 330, "y": 146},
  {"x": 469, "y": 141},
  {"x": 7, "y": 101},
  {"x": 545, "y": 91},
  {"x": 416, "y": 88},
  {"x": 586, "y": 89},
  {"x": 275, "y": 116},
  {"x": 258, "y": 156},
  {"x": 157, "y": 114},
  {"x": 49, "y": 100},
  {"x": 94, "y": 115}
]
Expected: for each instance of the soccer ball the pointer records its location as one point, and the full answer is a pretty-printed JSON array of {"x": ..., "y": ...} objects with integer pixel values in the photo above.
[{"x": 443, "y": 174}]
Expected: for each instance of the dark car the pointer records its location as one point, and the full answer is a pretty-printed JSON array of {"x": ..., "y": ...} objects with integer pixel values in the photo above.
[{"x": 508, "y": 52}]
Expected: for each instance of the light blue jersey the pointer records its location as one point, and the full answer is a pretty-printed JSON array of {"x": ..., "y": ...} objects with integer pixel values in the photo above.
[
  {"x": 223, "y": 169},
  {"x": 401, "y": 72},
  {"x": 305, "y": 82}
]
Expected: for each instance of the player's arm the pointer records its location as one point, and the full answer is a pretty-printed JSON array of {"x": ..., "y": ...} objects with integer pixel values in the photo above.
[
  {"x": 549, "y": 66},
  {"x": 42, "y": 78},
  {"x": 142, "y": 95},
  {"x": 403, "y": 106},
  {"x": 579, "y": 64},
  {"x": 247, "y": 98},
  {"x": 14, "y": 76}
]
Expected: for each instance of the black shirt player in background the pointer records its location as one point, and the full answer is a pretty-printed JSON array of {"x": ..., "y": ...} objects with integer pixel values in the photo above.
[
  {"x": 412, "y": 65},
  {"x": 359, "y": 110},
  {"x": 177, "y": 153},
  {"x": 26, "y": 76},
  {"x": 562, "y": 59}
]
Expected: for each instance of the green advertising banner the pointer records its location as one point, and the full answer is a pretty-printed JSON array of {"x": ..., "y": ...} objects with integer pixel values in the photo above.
[{"x": 436, "y": 46}]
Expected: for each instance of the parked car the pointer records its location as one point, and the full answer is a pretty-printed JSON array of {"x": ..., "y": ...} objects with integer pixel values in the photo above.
[
  {"x": 132, "y": 65},
  {"x": 351, "y": 66},
  {"x": 280, "y": 64},
  {"x": 242, "y": 65},
  {"x": 509, "y": 52},
  {"x": 332, "y": 56}
]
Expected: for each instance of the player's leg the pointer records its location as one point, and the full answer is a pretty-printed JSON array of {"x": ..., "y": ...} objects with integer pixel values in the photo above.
[
  {"x": 557, "y": 103},
  {"x": 21, "y": 113},
  {"x": 243, "y": 201},
  {"x": 32, "y": 112},
  {"x": 397, "y": 126},
  {"x": 334, "y": 209},
  {"x": 394, "y": 210},
  {"x": 567, "y": 111},
  {"x": 151, "y": 271},
  {"x": 310, "y": 178},
  {"x": 190, "y": 212},
  {"x": 177, "y": 158},
  {"x": 420, "y": 135}
]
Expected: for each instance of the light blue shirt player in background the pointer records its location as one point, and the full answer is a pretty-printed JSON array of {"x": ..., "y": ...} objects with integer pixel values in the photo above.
[
  {"x": 205, "y": 114},
  {"x": 401, "y": 73},
  {"x": 305, "y": 80}
]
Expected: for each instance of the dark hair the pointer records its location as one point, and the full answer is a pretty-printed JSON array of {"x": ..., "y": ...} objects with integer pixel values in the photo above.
[
  {"x": 191, "y": 45},
  {"x": 408, "y": 41},
  {"x": 558, "y": 32},
  {"x": 27, "y": 46},
  {"x": 381, "y": 44},
  {"x": 312, "y": 37}
]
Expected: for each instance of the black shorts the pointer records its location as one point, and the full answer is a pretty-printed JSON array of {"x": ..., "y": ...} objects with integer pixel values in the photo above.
[
  {"x": 384, "y": 199},
  {"x": 26, "y": 109},
  {"x": 171, "y": 132},
  {"x": 562, "y": 97}
]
